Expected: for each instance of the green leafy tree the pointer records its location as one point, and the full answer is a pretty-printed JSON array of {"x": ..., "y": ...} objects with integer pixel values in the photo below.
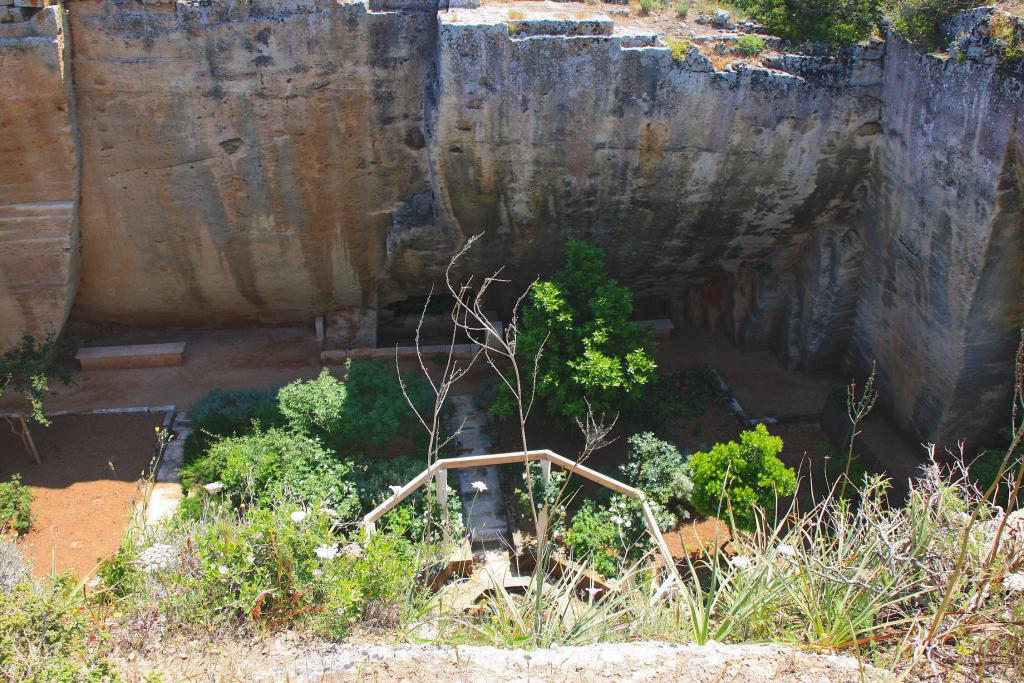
[
  {"x": 741, "y": 475},
  {"x": 591, "y": 352},
  {"x": 27, "y": 369}
]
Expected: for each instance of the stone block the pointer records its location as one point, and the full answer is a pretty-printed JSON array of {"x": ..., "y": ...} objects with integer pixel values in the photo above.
[{"x": 351, "y": 328}]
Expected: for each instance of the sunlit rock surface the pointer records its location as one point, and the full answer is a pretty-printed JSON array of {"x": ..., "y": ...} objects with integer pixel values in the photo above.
[{"x": 268, "y": 161}]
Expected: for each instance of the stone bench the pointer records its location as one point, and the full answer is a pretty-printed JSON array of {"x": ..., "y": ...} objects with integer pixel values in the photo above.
[{"x": 133, "y": 356}]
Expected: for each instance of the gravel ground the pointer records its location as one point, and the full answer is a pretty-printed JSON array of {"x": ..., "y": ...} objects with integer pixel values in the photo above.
[{"x": 286, "y": 660}]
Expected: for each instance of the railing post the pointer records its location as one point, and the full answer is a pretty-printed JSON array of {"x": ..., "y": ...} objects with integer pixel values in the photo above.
[
  {"x": 441, "y": 482},
  {"x": 545, "y": 471}
]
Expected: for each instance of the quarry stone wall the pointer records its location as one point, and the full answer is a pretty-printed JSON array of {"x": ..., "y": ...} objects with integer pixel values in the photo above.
[
  {"x": 235, "y": 162},
  {"x": 39, "y": 177}
]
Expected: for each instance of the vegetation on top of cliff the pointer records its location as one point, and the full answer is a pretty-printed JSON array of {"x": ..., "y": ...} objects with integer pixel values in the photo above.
[
  {"x": 839, "y": 22},
  {"x": 825, "y": 21},
  {"x": 919, "y": 21},
  {"x": 1006, "y": 35}
]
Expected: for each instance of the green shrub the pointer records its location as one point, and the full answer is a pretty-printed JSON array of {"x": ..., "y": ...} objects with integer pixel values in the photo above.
[
  {"x": 368, "y": 408},
  {"x": 15, "y": 506},
  {"x": 230, "y": 412},
  {"x": 591, "y": 352},
  {"x": 45, "y": 637},
  {"x": 612, "y": 537},
  {"x": 279, "y": 567},
  {"x": 741, "y": 476},
  {"x": 750, "y": 45},
  {"x": 1007, "y": 41},
  {"x": 919, "y": 20},
  {"x": 681, "y": 393},
  {"x": 658, "y": 469},
  {"x": 680, "y": 49},
  {"x": 682, "y": 9},
  {"x": 985, "y": 467},
  {"x": 646, "y": 6},
  {"x": 277, "y": 463},
  {"x": 827, "y": 21}
]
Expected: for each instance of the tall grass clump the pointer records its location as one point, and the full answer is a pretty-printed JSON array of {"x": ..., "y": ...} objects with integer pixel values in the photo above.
[{"x": 46, "y": 632}]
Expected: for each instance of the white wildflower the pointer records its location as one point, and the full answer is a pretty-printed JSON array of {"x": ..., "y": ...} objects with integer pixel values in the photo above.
[
  {"x": 94, "y": 582},
  {"x": 740, "y": 563},
  {"x": 223, "y": 570},
  {"x": 318, "y": 573},
  {"x": 628, "y": 523},
  {"x": 786, "y": 550},
  {"x": 327, "y": 552},
  {"x": 158, "y": 557},
  {"x": 251, "y": 559},
  {"x": 298, "y": 516},
  {"x": 214, "y": 487},
  {"x": 479, "y": 486},
  {"x": 1014, "y": 583},
  {"x": 618, "y": 520},
  {"x": 352, "y": 550}
]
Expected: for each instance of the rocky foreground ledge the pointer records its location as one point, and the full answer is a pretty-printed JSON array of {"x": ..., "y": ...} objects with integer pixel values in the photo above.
[{"x": 281, "y": 660}]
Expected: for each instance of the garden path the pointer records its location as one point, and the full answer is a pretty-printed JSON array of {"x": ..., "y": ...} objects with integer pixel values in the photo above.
[{"x": 483, "y": 506}]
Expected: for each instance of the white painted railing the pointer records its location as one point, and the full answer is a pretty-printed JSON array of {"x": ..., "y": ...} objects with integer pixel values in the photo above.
[{"x": 439, "y": 472}]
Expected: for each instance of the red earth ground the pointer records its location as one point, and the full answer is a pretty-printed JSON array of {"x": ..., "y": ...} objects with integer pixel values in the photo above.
[{"x": 85, "y": 487}]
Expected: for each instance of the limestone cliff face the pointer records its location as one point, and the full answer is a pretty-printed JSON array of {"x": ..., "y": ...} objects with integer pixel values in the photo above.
[
  {"x": 38, "y": 178},
  {"x": 266, "y": 161},
  {"x": 681, "y": 173},
  {"x": 242, "y": 159},
  {"x": 942, "y": 299}
]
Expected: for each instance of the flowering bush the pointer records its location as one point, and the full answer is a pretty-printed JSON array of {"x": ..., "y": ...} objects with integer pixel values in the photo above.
[
  {"x": 658, "y": 469},
  {"x": 613, "y": 537},
  {"x": 276, "y": 565}
]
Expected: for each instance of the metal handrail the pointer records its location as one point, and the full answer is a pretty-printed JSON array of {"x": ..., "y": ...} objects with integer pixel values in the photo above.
[{"x": 439, "y": 470}]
